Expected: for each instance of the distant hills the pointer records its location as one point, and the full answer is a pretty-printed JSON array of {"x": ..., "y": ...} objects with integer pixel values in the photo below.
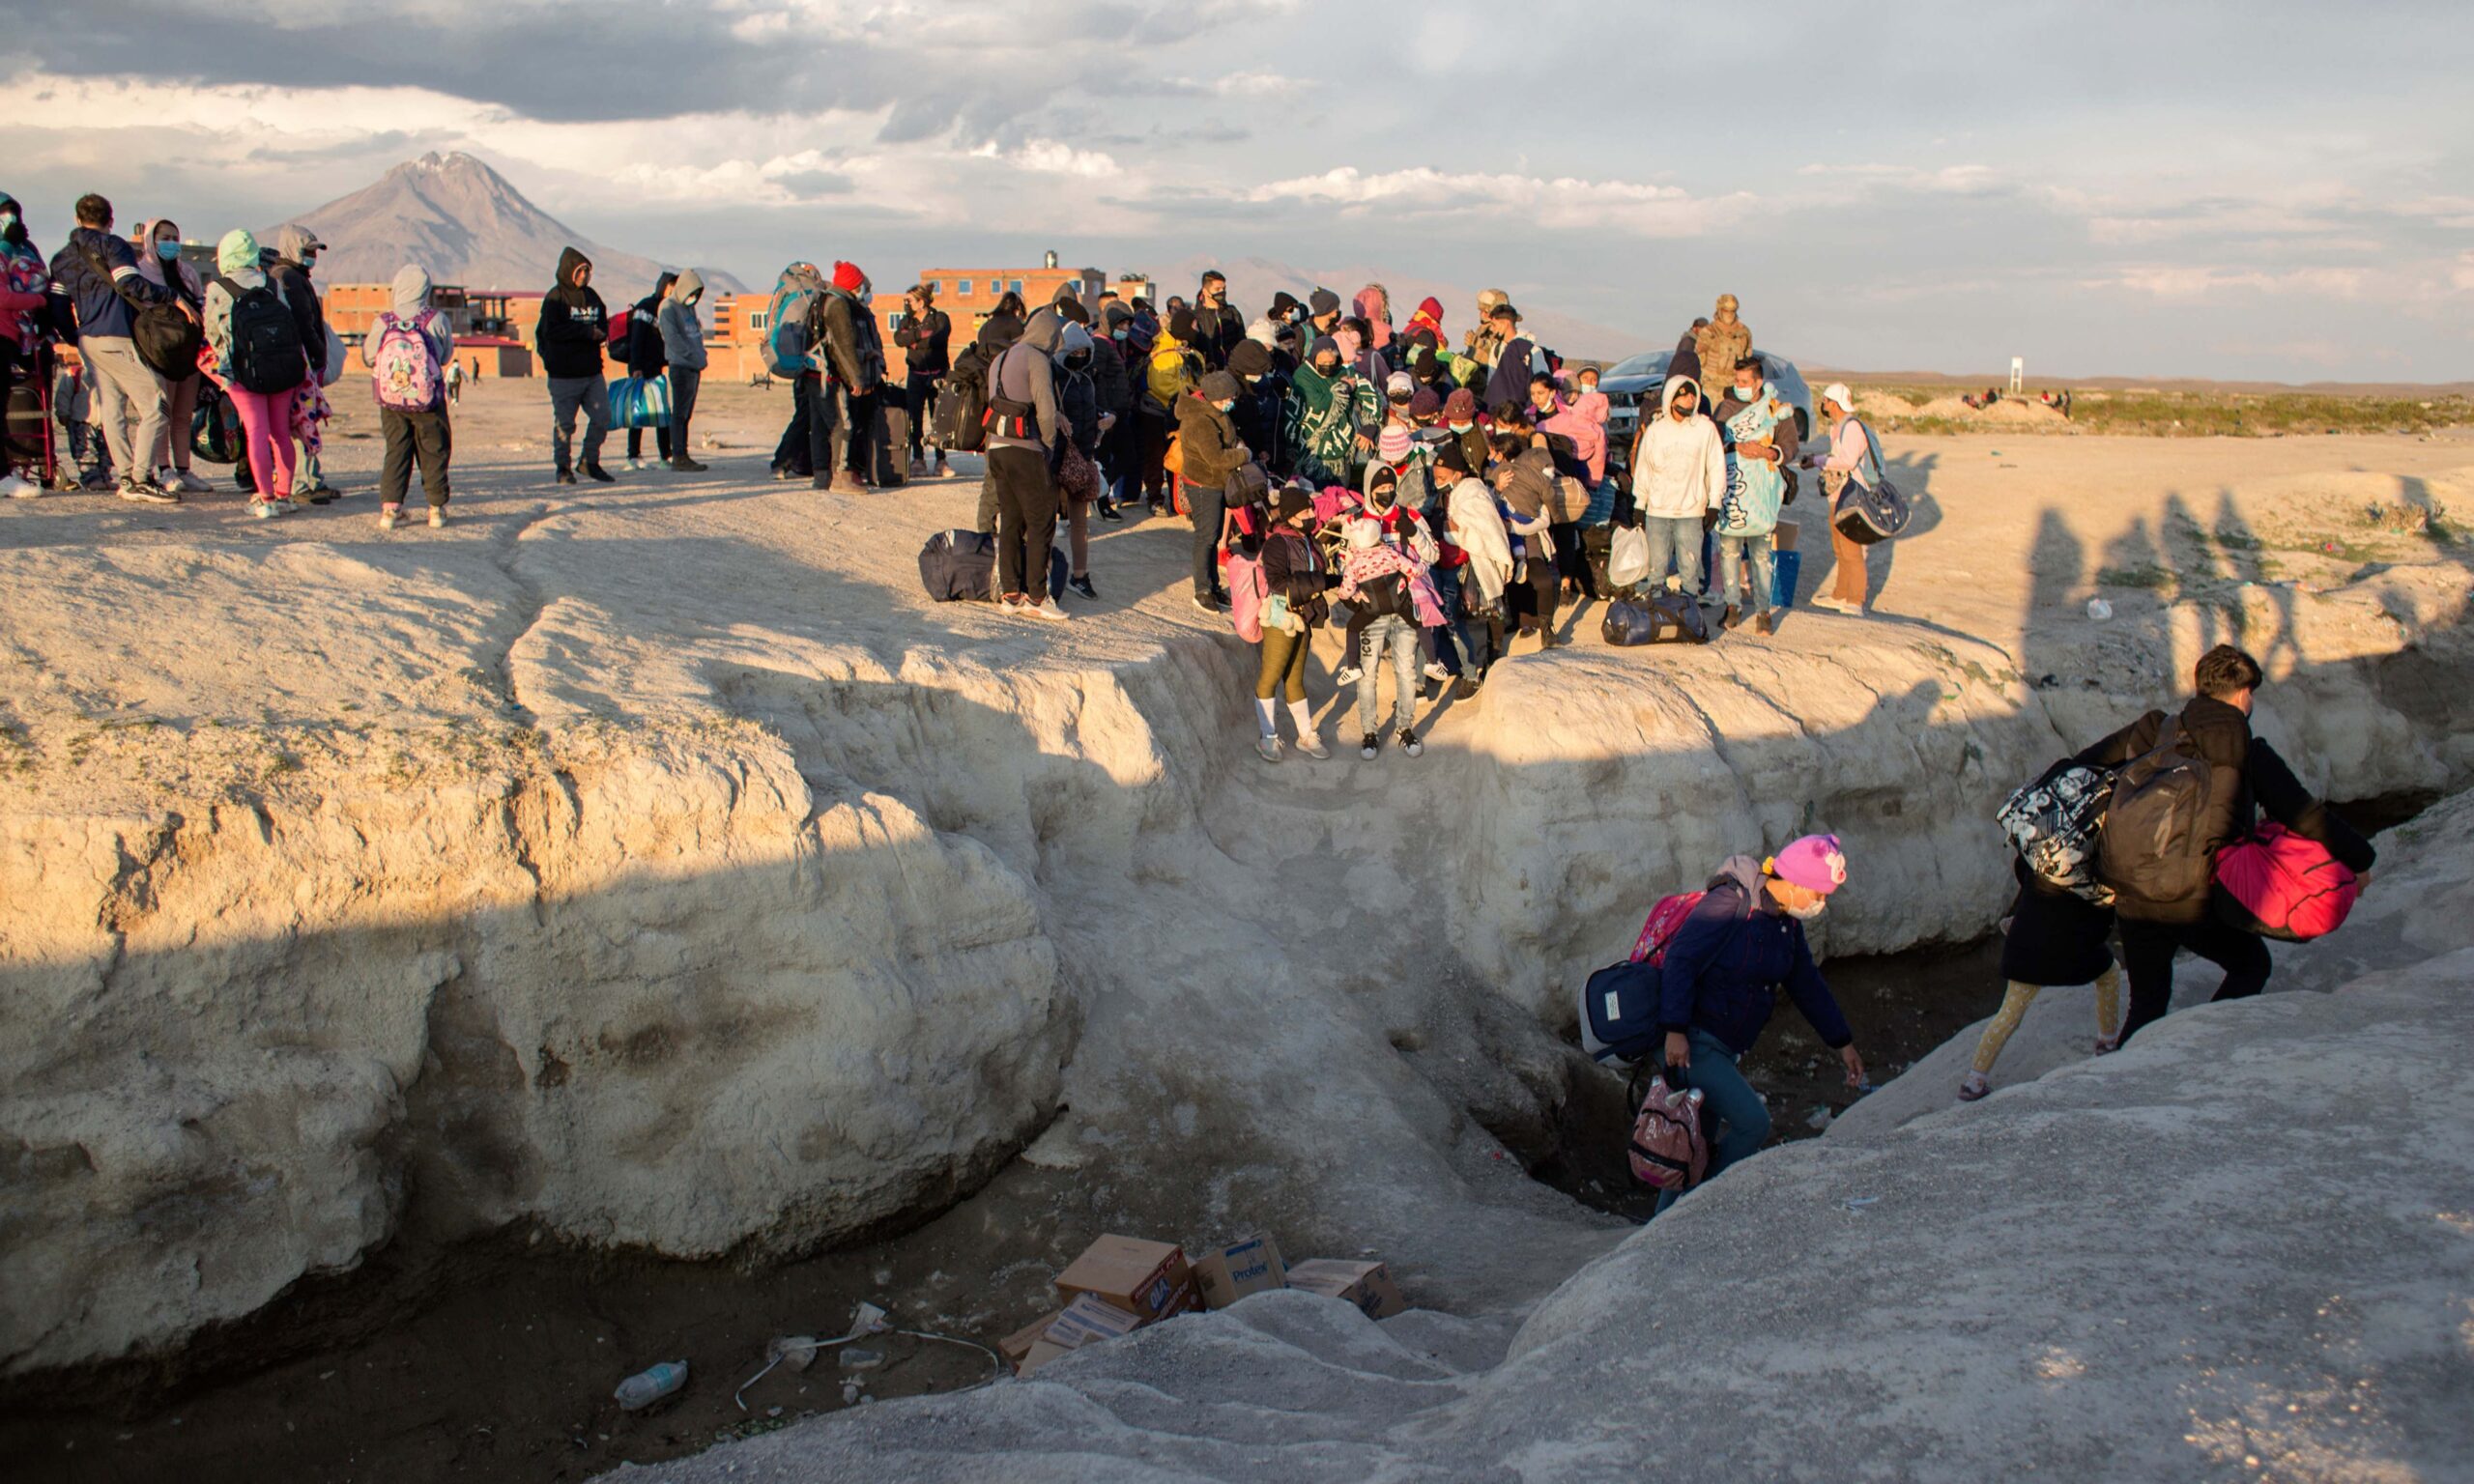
[{"x": 463, "y": 221}]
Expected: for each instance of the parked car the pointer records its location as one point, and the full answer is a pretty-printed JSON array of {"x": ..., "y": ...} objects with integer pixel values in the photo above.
[{"x": 1628, "y": 383}]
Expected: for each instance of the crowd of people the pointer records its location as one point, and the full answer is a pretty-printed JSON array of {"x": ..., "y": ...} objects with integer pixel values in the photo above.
[
  {"x": 166, "y": 357},
  {"x": 1338, "y": 467}
]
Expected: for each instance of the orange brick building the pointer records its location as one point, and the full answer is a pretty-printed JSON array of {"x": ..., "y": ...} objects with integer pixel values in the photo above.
[
  {"x": 493, "y": 329},
  {"x": 969, "y": 296}
]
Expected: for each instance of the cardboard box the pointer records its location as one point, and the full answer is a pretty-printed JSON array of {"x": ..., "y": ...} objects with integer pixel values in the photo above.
[
  {"x": 1041, "y": 1353},
  {"x": 1784, "y": 537},
  {"x": 1087, "y": 1321},
  {"x": 1014, "y": 1346},
  {"x": 1143, "y": 1278},
  {"x": 1227, "y": 1275},
  {"x": 1368, "y": 1285}
]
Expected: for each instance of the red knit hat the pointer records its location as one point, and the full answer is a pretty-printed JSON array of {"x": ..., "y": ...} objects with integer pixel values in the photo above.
[{"x": 846, "y": 277}]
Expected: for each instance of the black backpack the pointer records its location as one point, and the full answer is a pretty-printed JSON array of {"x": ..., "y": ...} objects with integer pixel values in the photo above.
[
  {"x": 267, "y": 357},
  {"x": 958, "y": 566},
  {"x": 2155, "y": 846},
  {"x": 167, "y": 340},
  {"x": 960, "y": 418}
]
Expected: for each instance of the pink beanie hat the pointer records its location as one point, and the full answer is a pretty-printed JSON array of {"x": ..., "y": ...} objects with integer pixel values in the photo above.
[
  {"x": 1816, "y": 863},
  {"x": 1393, "y": 443}
]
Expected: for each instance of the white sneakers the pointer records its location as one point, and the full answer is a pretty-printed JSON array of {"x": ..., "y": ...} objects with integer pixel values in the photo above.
[
  {"x": 390, "y": 516},
  {"x": 1267, "y": 749},
  {"x": 14, "y": 488},
  {"x": 436, "y": 516}
]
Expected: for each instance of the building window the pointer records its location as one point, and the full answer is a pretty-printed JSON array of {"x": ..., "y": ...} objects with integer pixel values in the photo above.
[
  {"x": 755, "y": 318},
  {"x": 936, "y": 288},
  {"x": 1016, "y": 286},
  {"x": 962, "y": 288}
]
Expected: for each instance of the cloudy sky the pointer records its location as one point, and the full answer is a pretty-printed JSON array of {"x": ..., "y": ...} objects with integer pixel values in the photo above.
[{"x": 2258, "y": 191}]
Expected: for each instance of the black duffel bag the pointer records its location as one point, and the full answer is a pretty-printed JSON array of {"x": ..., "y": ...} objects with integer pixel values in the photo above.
[
  {"x": 167, "y": 339},
  {"x": 1870, "y": 513},
  {"x": 1664, "y": 618}
]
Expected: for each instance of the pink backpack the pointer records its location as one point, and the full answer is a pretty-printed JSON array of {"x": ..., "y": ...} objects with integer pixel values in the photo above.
[
  {"x": 403, "y": 366},
  {"x": 2282, "y": 885},
  {"x": 1668, "y": 1151},
  {"x": 1666, "y": 920}
]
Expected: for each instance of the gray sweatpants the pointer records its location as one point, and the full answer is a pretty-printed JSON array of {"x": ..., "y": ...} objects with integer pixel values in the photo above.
[
  {"x": 566, "y": 394},
  {"x": 130, "y": 405}
]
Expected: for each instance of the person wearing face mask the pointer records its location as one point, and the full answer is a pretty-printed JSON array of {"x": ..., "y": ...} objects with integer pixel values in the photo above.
[
  {"x": 682, "y": 345},
  {"x": 1327, "y": 408},
  {"x": 98, "y": 269},
  {"x": 295, "y": 257},
  {"x": 1323, "y": 315},
  {"x": 159, "y": 262},
  {"x": 26, "y": 464},
  {"x": 1077, "y": 474},
  {"x": 1759, "y": 430},
  {"x": 1218, "y": 326},
  {"x": 1719, "y": 985},
  {"x": 1679, "y": 477},
  {"x": 1212, "y": 452},
  {"x": 1295, "y": 575},
  {"x": 1112, "y": 377},
  {"x": 1460, "y": 420},
  {"x": 1260, "y": 391},
  {"x": 241, "y": 287},
  {"x": 925, "y": 338}
]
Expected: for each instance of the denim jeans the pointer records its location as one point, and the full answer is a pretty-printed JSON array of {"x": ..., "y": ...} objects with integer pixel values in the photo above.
[
  {"x": 1402, "y": 635},
  {"x": 1455, "y": 623},
  {"x": 568, "y": 396},
  {"x": 1728, "y": 1104},
  {"x": 1730, "y": 553},
  {"x": 1673, "y": 539}
]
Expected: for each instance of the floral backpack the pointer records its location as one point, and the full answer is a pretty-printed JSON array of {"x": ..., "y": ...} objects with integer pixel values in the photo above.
[
  {"x": 1668, "y": 1149},
  {"x": 403, "y": 365}
]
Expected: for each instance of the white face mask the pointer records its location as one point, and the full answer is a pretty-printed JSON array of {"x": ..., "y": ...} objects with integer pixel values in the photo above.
[{"x": 1807, "y": 912}]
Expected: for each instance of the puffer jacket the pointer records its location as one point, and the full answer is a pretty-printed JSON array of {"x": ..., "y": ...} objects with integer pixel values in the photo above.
[
  {"x": 1723, "y": 971},
  {"x": 101, "y": 310},
  {"x": 2245, "y": 775},
  {"x": 289, "y": 272},
  {"x": 1208, "y": 442},
  {"x": 846, "y": 338},
  {"x": 924, "y": 340}
]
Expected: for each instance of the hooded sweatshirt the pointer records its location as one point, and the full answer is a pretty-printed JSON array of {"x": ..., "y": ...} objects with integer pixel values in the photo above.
[
  {"x": 682, "y": 329},
  {"x": 182, "y": 278},
  {"x": 1722, "y": 972},
  {"x": 236, "y": 261},
  {"x": 1373, "y": 305},
  {"x": 408, "y": 305},
  {"x": 290, "y": 274},
  {"x": 1680, "y": 471},
  {"x": 1027, "y": 373},
  {"x": 574, "y": 324}
]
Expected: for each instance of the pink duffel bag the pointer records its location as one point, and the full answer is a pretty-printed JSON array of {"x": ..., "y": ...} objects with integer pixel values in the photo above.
[{"x": 2282, "y": 885}]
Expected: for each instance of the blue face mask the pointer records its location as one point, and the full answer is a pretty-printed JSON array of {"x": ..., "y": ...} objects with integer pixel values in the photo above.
[
  {"x": 8, "y": 219},
  {"x": 167, "y": 251}
]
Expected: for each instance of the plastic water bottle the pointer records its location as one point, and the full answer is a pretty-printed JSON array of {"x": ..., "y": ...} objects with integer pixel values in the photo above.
[
  {"x": 2099, "y": 610},
  {"x": 650, "y": 1385}
]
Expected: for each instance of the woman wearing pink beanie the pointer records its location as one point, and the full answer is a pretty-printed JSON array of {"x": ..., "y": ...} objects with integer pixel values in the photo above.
[{"x": 1719, "y": 980}]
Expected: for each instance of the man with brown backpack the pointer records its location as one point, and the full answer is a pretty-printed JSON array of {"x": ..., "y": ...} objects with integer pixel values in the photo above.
[{"x": 2185, "y": 787}]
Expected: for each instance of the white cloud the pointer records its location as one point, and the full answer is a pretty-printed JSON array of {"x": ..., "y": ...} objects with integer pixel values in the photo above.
[
  {"x": 1564, "y": 203},
  {"x": 2194, "y": 284}
]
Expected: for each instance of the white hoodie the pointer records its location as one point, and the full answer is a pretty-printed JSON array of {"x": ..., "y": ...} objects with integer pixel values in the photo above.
[{"x": 1680, "y": 470}]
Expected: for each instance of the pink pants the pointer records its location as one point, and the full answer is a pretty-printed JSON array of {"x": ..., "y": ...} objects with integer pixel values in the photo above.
[{"x": 266, "y": 421}]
